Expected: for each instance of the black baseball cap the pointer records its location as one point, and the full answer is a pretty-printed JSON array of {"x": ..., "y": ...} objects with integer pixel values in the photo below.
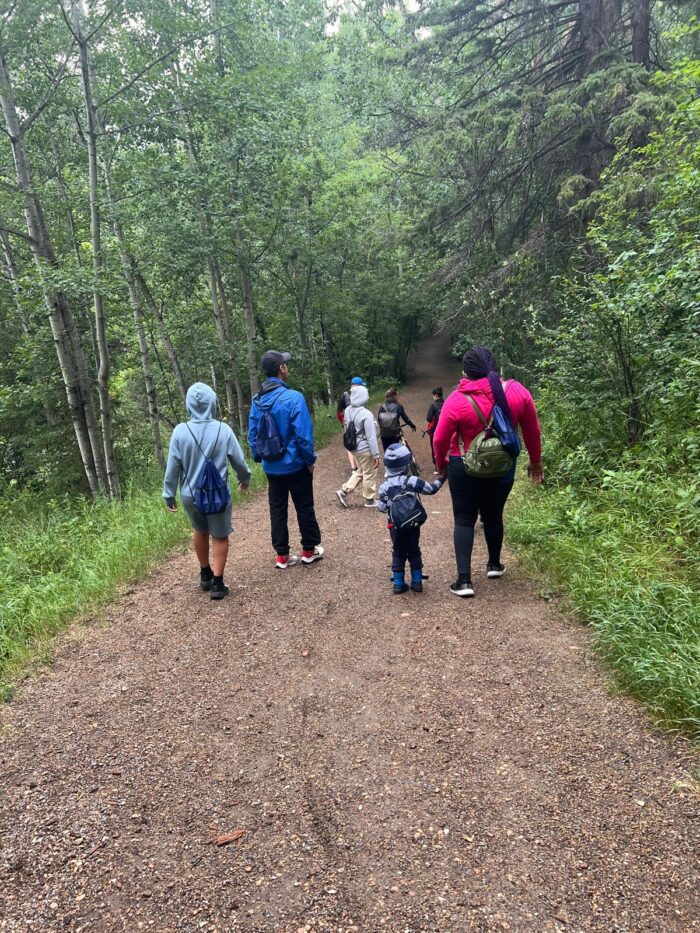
[{"x": 271, "y": 361}]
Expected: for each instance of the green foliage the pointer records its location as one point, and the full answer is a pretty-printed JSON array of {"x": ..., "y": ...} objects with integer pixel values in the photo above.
[
  {"x": 618, "y": 523},
  {"x": 624, "y": 553},
  {"x": 66, "y": 556}
]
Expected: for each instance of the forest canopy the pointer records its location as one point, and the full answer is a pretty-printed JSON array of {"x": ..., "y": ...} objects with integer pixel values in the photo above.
[{"x": 186, "y": 184}]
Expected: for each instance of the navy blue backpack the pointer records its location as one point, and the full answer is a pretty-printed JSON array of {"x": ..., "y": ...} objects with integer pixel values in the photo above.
[
  {"x": 405, "y": 508},
  {"x": 269, "y": 443},
  {"x": 504, "y": 429},
  {"x": 211, "y": 493}
]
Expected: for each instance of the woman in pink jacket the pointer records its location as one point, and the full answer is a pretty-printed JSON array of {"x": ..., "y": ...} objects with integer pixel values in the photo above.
[{"x": 473, "y": 495}]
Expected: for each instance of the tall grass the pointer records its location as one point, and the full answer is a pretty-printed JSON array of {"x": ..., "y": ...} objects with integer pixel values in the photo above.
[{"x": 623, "y": 549}]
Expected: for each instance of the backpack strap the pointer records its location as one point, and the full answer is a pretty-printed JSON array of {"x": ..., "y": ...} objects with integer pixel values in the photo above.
[
  {"x": 486, "y": 424},
  {"x": 273, "y": 398},
  {"x": 360, "y": 431},
  {"x": 196, "y": 441},
  {"x": 215, "y": 442}
]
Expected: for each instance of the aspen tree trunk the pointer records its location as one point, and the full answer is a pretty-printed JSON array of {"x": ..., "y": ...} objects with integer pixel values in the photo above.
[
  {"x": 216, "y": 290},
  {"x": 128, "y": 268},
  {"x": 97, "y": 258},
  {"x": 229, "y": 342},
  {"x": 239, "y": 239},
  {"x": 66, "y": 339},
  {"x": 248, "y": 308},
  {"x": 163, "y": 331},
  {"x": 12, "y": 275}
]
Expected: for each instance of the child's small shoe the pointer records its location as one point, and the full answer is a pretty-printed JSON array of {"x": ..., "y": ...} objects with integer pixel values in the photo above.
[
  {"x": 400, "y": 585},
  {"x": 417, "y": 581}
]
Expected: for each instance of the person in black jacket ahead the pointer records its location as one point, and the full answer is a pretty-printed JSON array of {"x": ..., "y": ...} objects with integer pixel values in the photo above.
[
  {"x": 390, "y": 417},
  {"x": 432, "y": 417}
]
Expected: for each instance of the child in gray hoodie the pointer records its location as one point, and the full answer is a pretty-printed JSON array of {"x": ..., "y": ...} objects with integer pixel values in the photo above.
[
  {"x": 366, "y": 453},
  {"x": 191, "y": 444}
]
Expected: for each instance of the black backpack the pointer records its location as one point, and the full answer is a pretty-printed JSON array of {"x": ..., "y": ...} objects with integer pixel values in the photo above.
[
  {"x": 351, "y": 435},
  {"x": 388, "y": 418}
]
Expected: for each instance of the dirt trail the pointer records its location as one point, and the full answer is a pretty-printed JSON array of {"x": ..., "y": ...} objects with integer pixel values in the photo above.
[{"x": 413, "y": 763}]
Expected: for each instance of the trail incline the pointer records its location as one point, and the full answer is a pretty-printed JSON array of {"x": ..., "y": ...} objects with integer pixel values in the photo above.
[{"x": 413, "y": 763}]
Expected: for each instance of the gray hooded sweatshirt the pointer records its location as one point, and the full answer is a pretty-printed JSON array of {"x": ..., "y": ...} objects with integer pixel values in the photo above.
[
  {"x": 363, "y": 419},
  {"x": 185, "y": 459}
]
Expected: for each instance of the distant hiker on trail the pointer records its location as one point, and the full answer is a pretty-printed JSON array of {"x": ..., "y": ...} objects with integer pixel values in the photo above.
[
  {"x": 281, "y": 437},
  {"x": 399, "y": 495},
  {"x": 200, "y": 452},
  {"x": 432, "y": 418},
  {"x": 360, "y": 437},
  {"x": 390, "y": 417},
  {"x": 343, "y": 403},
  {"x": 475, "y": 483}
]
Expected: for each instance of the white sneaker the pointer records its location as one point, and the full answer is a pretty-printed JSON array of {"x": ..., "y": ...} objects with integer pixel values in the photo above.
[
  {"x": 462, "y": 588},
  {"x": 371, "y": 504},
  {"x": 308, "y": 557},
  {"x": 288, "y": 560},
  {"x": 342, "y": 498}
]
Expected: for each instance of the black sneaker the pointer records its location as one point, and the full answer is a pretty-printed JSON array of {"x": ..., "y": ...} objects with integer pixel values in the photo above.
[
  {"x": 494, "y": 570},
  {"x": 218, "y": 590},
  {"x": 462, "y": 587},
  {"x": 205, "y": 578}
]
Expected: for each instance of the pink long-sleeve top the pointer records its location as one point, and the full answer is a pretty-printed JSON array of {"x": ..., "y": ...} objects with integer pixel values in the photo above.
[{"x": 458, "y": 415}]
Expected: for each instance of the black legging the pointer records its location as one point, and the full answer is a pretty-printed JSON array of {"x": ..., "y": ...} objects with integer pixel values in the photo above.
[{"x": 471, "y": 496}]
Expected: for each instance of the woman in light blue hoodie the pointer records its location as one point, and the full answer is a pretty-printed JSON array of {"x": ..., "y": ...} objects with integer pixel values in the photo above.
[{"x": 191, "y": 444}]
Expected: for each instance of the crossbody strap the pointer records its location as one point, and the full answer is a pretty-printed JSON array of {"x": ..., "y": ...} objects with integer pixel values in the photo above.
[{"x": 486, "y": 424}]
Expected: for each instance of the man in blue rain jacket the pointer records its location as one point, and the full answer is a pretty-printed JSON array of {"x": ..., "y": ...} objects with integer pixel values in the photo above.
[{"x": 292, "y": 473}]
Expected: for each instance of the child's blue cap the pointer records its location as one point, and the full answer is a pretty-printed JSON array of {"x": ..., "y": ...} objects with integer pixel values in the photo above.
[{"x": 357, "y": 381}]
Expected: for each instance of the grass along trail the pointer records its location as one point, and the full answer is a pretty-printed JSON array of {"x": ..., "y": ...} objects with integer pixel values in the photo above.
[{"x": 402, "y": 763}]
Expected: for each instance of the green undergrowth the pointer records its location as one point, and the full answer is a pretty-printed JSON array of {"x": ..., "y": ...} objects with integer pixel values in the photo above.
[
  {"x": 64, "y": 558},
  {"x": 622, "y": 547}
]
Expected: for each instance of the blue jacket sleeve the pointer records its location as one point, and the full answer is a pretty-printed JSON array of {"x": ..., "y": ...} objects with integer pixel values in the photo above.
[
  {"x": 423, "y": 488},
  {"x": 304, "y": 430},
  {"x": 253, "y": 420},
  {"x": 173, "y": 468}
]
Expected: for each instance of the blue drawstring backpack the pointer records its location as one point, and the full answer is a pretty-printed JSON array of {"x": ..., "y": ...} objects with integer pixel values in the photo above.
[
  {"x": 269, "y": 443},
  {"x": 211, "y": 493}
]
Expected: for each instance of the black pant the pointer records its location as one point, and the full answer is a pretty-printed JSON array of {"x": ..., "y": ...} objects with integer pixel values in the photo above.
[
  {"x": 406, "y": 542},
  {"x": 432, "y": 449},
  {"x": 388, "y": 441},
  {"x": 300, "y": 486},
  {"x": 470, "y": 496}
]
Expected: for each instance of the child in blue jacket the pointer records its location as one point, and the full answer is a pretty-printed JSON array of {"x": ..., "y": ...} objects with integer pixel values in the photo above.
[{"x": 405, "y": 541}]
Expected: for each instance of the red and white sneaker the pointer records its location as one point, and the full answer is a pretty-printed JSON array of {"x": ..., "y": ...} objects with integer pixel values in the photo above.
[
  {"x": 286, "y": 560},
  {"x": 308, "y": 557}
]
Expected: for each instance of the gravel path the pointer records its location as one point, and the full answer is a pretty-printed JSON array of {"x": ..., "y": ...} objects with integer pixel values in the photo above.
[{"x": 413, "y": 763}]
